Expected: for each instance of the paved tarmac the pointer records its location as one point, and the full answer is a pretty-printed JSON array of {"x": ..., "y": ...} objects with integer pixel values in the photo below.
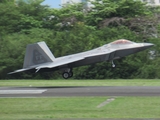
[{"x": 66, "y": 91}]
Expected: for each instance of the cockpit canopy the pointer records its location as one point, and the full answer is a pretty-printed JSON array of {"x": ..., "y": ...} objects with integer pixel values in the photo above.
[{"x": 121, "y": 42}]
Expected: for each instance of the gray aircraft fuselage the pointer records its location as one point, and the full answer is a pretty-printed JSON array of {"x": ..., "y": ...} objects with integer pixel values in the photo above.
[{"x": 107, "y": 52}]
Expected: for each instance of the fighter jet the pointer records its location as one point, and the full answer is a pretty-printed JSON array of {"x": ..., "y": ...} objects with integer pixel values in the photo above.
[{"x": 38, "y": 57}]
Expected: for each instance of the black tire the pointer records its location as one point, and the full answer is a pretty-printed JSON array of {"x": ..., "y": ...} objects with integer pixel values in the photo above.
[{"x": 65, "y": 75}]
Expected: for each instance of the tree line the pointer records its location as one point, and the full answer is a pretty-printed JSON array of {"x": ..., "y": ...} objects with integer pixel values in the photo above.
[{"x": 76, "y": 28}]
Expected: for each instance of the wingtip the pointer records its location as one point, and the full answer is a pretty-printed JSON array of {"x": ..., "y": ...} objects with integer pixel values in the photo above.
[
  {"x": 16, "y": 71},
  {"x": 11, "y": 73}
]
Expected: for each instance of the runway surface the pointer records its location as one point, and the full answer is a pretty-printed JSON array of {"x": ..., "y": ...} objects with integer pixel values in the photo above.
[{"x": 79, "y": 91}]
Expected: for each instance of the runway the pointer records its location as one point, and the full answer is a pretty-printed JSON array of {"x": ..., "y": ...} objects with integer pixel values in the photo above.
[{"x": 73, "y": 91}]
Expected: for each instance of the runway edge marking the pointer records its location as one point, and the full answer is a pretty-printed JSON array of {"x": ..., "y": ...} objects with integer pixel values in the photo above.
[
  {"x": 106, "y": 102},
  {"x": 21, "y": 91}
]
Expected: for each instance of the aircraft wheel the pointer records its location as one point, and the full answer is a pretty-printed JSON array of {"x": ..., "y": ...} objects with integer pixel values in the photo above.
[{"x": 66, "y": 75}]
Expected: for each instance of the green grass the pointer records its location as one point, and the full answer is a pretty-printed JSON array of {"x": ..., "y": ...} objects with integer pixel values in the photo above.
[
  {"x": 117, "y": 82},
  {"x": 79, "y": 107}
]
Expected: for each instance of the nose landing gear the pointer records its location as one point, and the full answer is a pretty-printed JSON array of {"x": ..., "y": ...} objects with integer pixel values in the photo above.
[{"x": 113, "y": 65}]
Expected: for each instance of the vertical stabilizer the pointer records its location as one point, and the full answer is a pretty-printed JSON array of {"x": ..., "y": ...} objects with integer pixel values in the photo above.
[{"x": 37, "y": 53}]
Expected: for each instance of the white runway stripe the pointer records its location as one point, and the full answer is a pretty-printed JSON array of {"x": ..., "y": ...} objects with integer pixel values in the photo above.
[
  {"x": 105, "y": 102},
  {"x": 22, "y": 91}
]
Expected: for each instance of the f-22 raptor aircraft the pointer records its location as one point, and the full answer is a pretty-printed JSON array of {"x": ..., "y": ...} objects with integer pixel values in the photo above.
[{"x": 38, "y": 57}]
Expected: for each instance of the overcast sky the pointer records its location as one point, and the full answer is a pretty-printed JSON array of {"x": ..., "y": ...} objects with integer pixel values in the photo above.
[{"x": 52, "y": 3}]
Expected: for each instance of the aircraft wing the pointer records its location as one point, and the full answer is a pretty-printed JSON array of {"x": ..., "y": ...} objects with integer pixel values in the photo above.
[
  {"x": 57, "y": 63},
  {"x": 60, "y": 62},
  {"x": 20, "y": 70},
  {"x": 67, "y": 61}
]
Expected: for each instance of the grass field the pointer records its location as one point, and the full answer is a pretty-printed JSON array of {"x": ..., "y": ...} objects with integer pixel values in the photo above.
[
  {"x": 118, "y": 82},
  {"x": 79, "y": 107}
]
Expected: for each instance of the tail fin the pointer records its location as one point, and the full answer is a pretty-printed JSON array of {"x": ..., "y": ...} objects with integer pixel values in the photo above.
[{"x": 37, "y": 53}]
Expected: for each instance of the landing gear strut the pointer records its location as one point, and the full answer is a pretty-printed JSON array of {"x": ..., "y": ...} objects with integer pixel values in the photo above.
[{"x": 113, "y": 65}]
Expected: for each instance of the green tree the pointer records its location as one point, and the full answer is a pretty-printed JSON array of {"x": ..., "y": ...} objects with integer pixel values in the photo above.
[
  {"x": 120, "y": 8},
  {"x": 9, "y": 17}
]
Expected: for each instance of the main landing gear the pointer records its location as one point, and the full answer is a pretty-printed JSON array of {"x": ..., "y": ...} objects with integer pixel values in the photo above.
[{"x": 67, "y": 74}]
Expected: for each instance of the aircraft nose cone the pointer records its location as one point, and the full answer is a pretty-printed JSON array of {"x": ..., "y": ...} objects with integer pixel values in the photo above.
[{"x": 146, "y": 46}]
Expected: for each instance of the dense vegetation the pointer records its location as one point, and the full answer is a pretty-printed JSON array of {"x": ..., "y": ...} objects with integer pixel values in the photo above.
[{"x": 76, "y": 28}]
